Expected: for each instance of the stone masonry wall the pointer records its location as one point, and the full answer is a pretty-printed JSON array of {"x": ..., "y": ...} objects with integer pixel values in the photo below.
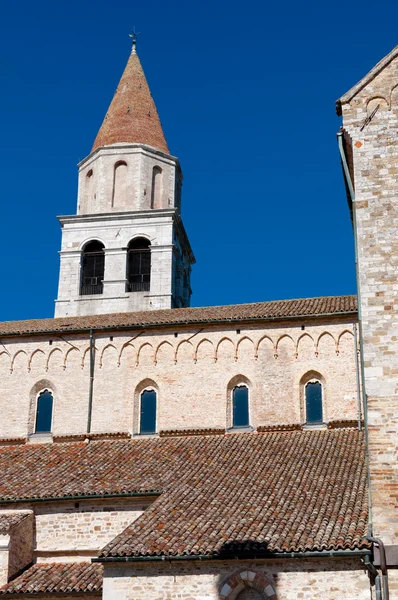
[
  {"x": 115, "y": 232},
  {"x": 192, "y": 370},
  {"x": 70, "y": 531},
  {"x": 96, "y": 194},
  {"x": 21, "y": 546},
  {"x": 297, "y": 579},
  {"x": 16, "y": 546},
  {"x": 375, "y": 161}
]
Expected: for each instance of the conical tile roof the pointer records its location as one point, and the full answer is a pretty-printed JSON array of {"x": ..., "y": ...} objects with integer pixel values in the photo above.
[{"x": 132, "y": 116}]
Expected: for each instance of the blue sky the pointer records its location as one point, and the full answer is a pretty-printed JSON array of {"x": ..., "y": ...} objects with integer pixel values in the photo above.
[{"x": 246, "y": 94}]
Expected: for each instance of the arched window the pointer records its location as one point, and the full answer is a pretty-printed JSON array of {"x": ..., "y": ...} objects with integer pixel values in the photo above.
[
  {"x": 156, "y": 192},
  {"x": 148, "y": 412},
  {"x": 313, "y": 403},
  {"x": 92, "y": 269},
  {"x": 88, "y": 191},
  {"x": 44, "y": 412},
  {"x": 247, "y": 584},
  {"x": 240, "y": 406},
  {"x": 119, "y": 193},
  {"x": 139, "y": 265}
]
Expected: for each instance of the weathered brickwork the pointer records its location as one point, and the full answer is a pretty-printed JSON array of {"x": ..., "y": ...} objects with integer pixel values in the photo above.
[
  {"x": 290, "y": 579},
  {"x": 374, "y": 158},
  {"x": 191, "y": 370}
]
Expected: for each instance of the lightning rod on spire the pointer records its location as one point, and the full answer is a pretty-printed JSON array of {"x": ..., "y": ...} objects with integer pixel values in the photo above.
[{"x": 133, "y": 37}]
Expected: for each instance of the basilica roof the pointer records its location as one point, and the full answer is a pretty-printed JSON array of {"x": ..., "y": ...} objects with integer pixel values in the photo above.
[
  {"x": 214, "y": 495},
  {"x": 324, "y": 306},
  {"x": 57, "y": 578}
]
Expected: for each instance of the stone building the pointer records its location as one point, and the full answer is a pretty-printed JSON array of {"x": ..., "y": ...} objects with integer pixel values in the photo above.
[{"x": 152, "y": 450}]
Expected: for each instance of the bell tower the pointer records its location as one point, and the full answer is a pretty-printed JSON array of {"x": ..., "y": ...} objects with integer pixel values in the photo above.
[{"x": 126, "y": 249}]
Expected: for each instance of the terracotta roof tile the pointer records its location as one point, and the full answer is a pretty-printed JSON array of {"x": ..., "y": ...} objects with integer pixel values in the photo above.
[
  {"x": 274, "y": 491},
  {"x": 56, "y": 578},
  {"x": 8, "y": 521},
  {"x": 257, "y": 311},
  {"x": 132, "y": 116}
]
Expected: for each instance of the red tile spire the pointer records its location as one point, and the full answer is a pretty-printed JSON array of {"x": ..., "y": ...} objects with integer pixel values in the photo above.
[{"x": 132, "y": 116}]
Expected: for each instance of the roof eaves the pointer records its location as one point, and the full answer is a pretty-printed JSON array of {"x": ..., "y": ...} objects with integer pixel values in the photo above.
[
  {"x": 348, "y": 553},
  {"x": 151, "y": 325},
  {"x": 82, "y": 496}
]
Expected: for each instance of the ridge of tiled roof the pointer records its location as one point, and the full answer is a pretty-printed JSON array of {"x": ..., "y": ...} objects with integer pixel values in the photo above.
[
  {"x": 256, "y": 311},
  {"x": 132, "y": 116},
  {"x": 277, "y": 491},
  {"x": 57, "y": 578}
]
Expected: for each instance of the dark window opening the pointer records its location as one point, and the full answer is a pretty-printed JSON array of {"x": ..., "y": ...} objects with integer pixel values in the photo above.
[
  {"x": 240, "y": 406},
  {"x": 313, "y": 403},
  {"x": 92, "y": 270},
  {"x": 148, "y": 412},
  {"x": 44, "y": 412},
  {"x": 138, "y": 266}
]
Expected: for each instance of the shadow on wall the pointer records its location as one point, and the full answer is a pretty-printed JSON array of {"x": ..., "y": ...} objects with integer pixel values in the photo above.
[{"x": 257, "y": 578}]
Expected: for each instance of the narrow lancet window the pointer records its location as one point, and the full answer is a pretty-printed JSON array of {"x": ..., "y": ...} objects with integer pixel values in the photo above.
[
  {"x": 92, "y": 269},
  {"x": 313, "y": 403},
  {"x": 44, "y": 412},
  {"x": 240, "y": 406},
  {"x": 119, "y": 194},
  {"x": 148, "y": 412},
  {"x": 156, "y": 187},
  {"x": 139, "y": 265}
]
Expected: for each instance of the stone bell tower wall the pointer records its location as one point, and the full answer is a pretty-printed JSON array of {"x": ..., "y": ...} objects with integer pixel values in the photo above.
[{"x": 127, "y": 177}]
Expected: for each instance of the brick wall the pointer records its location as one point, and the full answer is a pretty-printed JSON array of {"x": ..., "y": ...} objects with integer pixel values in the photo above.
[
  {"x": 191, "y": 369},
  {"x": 375, "y": 157}
]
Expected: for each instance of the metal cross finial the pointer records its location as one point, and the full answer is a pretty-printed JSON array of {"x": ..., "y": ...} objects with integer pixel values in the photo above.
[{"x": 133, "y": 37}]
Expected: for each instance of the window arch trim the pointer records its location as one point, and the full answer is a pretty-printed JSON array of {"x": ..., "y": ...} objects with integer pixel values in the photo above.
[
  {"x": 236, "y": 383},
  {"x": 145, "y": 385},
  {"x": 244, "y": 579},
  {"x": 318, "y": 417}
]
